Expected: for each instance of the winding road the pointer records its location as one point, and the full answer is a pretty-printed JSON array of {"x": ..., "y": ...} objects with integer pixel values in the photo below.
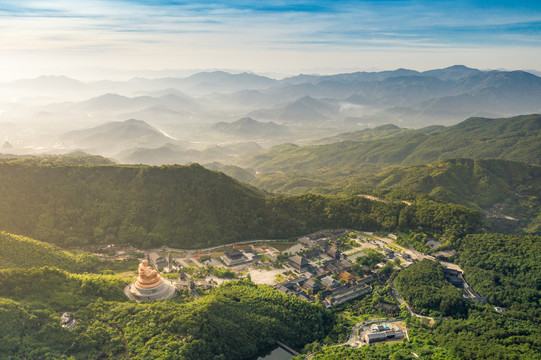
[{"x": 401, "y": 301}]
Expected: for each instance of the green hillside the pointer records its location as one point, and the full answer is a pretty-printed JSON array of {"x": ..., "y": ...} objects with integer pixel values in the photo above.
[
  {"x": 73, "y": 158},
  {"x": 427, "y": 291},
  {"x": 238, "y": 320},
  {"x": 506, "y": 269},
  {"x": 58, "y": 289},
  {"x": 185, "y": 206},
  {"x": 73, "y": 205},
  {"x": 493, "y": 180},
  {"x": 377, "y": 133},
  {"x": 517, "y": 138},
  {"x": 509, "y": 192},
  {"x": 21, "y": 252}
]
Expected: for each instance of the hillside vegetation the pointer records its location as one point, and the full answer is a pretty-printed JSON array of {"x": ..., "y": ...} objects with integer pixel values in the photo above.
[
  {"x": 21, "y": 252},
  {"x": 425, "y": 288},
  {"x": 239, "y": 320},
  {"x": 506, "y": 269},
  {"x": 378, "y": 133},
  {"x": 495, "y": 169},
  {"x": 188, "y": 206},
  {"x": 509, "y": 192},
  {"x": 517, "y": 138},
  {"x": 58, "y": 289}
]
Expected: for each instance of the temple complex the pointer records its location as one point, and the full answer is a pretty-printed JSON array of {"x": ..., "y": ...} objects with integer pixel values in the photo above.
[{"x": 149, "y": 285}]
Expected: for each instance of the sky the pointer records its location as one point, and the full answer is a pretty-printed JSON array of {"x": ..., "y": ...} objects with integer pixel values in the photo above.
[{"x": 97, "y": 38}]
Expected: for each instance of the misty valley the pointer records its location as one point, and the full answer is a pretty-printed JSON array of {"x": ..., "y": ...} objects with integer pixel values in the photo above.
[{"x": 221, "y": 116}]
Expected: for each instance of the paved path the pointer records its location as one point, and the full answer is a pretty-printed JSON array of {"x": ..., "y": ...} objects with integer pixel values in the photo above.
[
  {"x": 451, "y": 266},
  {"x": 183, "y": 263},
  {"x": 353, "y": 335},
  {"x": 196, "y": 262},
  {"x": 192, "y": 251}
]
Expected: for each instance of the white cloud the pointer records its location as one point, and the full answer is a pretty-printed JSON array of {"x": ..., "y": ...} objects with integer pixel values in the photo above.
[{"x": 61, "y": 34}]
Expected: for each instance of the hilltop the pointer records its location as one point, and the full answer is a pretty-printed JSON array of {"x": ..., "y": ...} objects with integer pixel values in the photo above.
[
  {"x": 21, "y": 252},
  {"x": 508, "y": 192},
  {"x": 184, "y": 206},
  {"x": 517, "y": 138}
]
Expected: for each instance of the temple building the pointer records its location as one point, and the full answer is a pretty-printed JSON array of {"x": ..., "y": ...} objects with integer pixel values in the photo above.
[
  {"x": 298, "y": 262},
  {"x": 157, "y": 260},
  {"x": 234, "y": 257},
  {"x": 149, "y": 285}
]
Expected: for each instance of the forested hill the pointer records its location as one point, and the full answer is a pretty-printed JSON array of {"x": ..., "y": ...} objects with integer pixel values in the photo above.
[
  {"x": 188, "y": 206},
  {"x": 18, "y": 251},
  {"x": 509, "y": 192},
  {"x": 239, "y": 320},
  {"x": 485, "y": 164},
  {"x": 70, "y": 205},
  {"x": 517, "y": 138}
]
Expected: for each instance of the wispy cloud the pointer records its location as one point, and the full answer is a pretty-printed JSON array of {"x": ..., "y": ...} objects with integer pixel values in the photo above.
[{"x": 157, "y": 33}]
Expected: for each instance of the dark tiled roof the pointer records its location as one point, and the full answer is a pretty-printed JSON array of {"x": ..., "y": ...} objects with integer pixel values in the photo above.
[
  {"x": 234, "y": 253},
  {"x": 299, "y": 260}
]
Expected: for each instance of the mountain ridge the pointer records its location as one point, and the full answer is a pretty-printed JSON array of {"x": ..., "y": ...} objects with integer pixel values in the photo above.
[{"x": 517, "y": 138}]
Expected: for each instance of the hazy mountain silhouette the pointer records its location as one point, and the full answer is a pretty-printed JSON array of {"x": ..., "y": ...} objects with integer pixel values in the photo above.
[
  {"x": 116, "y": 136},
  {"x": 250, "y": 128}
]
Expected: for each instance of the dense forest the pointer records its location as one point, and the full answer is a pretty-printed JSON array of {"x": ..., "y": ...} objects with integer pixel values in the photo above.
[
  {"x": 18, "y": 251},
  {"x": 189, "y": 206},
  {"x": 507, "y": 191},
  {"x": 506, "y": 269},
  {"x": 483, "y": 334},
  {"x": 238, "y": 320},
  {"x": 425, "y": 288}
]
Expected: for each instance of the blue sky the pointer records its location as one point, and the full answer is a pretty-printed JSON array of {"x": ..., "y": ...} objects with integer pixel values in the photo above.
[{"x": 55, "y": 36}]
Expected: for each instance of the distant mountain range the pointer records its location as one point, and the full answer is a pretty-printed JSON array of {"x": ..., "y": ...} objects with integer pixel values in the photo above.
[
  {"x": 303, "y": 110},
  {"x": 117, "y": 104},
  {"x": 137, "y": 142},
  {"x": 403, "y": 97},
  {"x": 203, "y": 110}
]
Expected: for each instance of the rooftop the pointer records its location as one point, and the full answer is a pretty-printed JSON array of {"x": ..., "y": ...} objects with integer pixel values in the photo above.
[
  {"x": 233, "y": 253},
  {"x": 299, "y": 260}
]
